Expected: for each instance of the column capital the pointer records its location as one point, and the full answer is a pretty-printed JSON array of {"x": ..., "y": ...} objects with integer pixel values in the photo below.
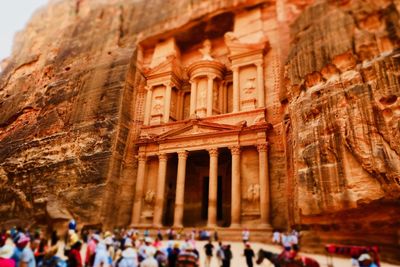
[
  {"x": 235, "y": 68},
  {"x": 148, "y": 87},
  {"x": 235, "y": 150},
  {"x": 162, "y": 157},
  {"x": 259, "y": 63},
  {"x": 262, "y": 147},
  {"x": 193, "y": 80},
  {"x": 213, "y": 152},
  {"x": 182, "y": 154},
  {"x": 212, "y": 76},
  {"x": 142, "y": 156}
]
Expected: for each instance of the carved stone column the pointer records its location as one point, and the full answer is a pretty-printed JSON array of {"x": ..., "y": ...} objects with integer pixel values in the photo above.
[
  {"x": 236, "y": 187},
  {"x": 213, "y": 188},
  {"x": 167, "y": 103},
  {"x": 236, "y": 93},
  {"x": 264, "y": 185},
  {"x": 210, "y": 87},
  {"x": 193, "y": 97},
  {"x": 139, "y": 189},
  {"x": 260, "y": 85},
  {"x": 180, "y": 189},
  {"x": 159, "y": 205},
  {"x": 147, "y": 111}
]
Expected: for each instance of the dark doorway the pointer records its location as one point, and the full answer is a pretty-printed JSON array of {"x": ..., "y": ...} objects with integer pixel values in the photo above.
[{"x": 204, "y": 202}]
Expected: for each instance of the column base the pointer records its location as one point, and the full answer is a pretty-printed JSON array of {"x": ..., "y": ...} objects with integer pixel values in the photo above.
[
  {"x": 235, "y": 226},
  {"x": 265, "y": 226},
  {"x": 157, "y": 225},
  {"x": 177, "y": 226},
  {"x": 211, "y": 225}
]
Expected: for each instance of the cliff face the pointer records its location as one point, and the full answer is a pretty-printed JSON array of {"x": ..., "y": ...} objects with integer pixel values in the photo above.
[
  {"x": 71, "y": 101},
  {"x": 343, "y": 121}
]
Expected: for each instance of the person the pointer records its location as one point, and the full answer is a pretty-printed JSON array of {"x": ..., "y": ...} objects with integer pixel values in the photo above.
[
  {"x": 54, "y": 238},
  {"x": 74, "y": 255},
  {"x": 208, "y": 248},
  {"x": 91, "y": 250},
  {"x": 23, "y": 254},
  {"x": 159, "y": 235},
  {"x": 145, "y": 248},
  {"x": 188, "y": 258},
  {"x": 294, "y": 240},
  {"x": 286, "y": 241},
  {"x": 102, "y": 257},
  {"x": 249, "y": 254},
  {"x": 40, "y": 250},
  {"x": 227, "y": 256},
  {"x": 129, "y": 256},
  {"x": 50, "y": 259},
  {"x": 161, "y": 257},
  {"x": 365, "y": 260},
  {"x": 173, "y": 255},
  {"x": 246, "y": 235},
  {"x": 72, "y": 225},
  {"x": 6, "y": 252},
  {"x": 216, "y": 235},
  {"x": 276, "y": 237},
  {"x": 220, "y": 254},
  {"x": 150, "y": 261}
]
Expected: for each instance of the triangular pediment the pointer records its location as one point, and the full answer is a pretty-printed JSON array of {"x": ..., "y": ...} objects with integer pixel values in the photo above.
[
  {"x": 170, "y": 64},
  {"x": 194, "y": 128}
]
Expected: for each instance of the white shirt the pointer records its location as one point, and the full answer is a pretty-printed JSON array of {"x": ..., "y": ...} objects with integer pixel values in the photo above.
[{"x": 149, "y": 262}]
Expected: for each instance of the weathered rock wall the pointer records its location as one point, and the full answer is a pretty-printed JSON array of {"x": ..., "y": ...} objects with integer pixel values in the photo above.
[{"x": 343, "y": 116}]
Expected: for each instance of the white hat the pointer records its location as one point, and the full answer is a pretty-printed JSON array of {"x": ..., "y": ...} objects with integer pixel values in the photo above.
[
  {"x": 364, "y": 257},
  {"x": 6, "y": 251},
  {"x": 148, "y": 240},
  {"x": 109, "y": 240},
  {"x": 96, "y": 237}
]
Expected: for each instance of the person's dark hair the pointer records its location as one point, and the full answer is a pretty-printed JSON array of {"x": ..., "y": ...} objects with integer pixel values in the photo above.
[{"x": 77, "y": 245}]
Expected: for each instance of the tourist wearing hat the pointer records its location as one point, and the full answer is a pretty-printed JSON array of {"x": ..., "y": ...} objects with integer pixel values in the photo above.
[
  {"x": 91, "y": 250},
  {"x": 129, "y": 256},
  {"x": 365, "y": 260},
  {"x": 147, "y": 246},
  {"x": 23, "y": 254},
  {"x": 102, "y": 258},
  {"x": 6, "y": 252}
]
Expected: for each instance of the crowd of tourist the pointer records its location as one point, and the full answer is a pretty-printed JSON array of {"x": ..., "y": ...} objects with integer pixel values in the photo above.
[
  {"x": 120, "y": 248},
  {"x": 132, "y": 248}
]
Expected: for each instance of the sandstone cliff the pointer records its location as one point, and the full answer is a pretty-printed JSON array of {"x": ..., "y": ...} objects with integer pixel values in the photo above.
[{"x": 68, "y": 96}]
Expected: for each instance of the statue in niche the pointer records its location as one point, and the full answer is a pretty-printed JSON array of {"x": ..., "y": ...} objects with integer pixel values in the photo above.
[
  {"x": 253, "y": 193},
  {"x": 249, "y": 86},
  {"x": 206, "y": 50},
  {"x": 203, "y": 98},
  {"x": 149, "y": 197},
  {"x": 158, "y": 105}
]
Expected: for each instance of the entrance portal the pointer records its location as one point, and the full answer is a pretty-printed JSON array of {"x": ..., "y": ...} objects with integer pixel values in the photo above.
[{"x": 197, "y": 189}]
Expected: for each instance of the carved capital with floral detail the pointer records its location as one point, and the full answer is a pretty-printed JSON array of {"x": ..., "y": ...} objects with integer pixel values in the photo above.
[
  {"x": 235, "y": 150},
  {"x": 162, "y": 157},
  {"x": 183, "y": 154},
  {"x": 213, "y": 152},
  {"x": 262, "y": 147},
  {"x": 142, "y": 156}
]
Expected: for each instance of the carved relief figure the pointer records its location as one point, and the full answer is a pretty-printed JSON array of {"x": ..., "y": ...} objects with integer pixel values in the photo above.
[
  {"x": 249, "y": 86},
  {"x": 253, "y": 193},
  {"x": 149, "y": 197},
  {"x": 158, "y": 105},
  {"x": 206, "y": 50}
]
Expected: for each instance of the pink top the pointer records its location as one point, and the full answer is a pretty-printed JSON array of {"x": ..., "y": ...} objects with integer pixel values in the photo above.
[{"x": 7, "y": 262}]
